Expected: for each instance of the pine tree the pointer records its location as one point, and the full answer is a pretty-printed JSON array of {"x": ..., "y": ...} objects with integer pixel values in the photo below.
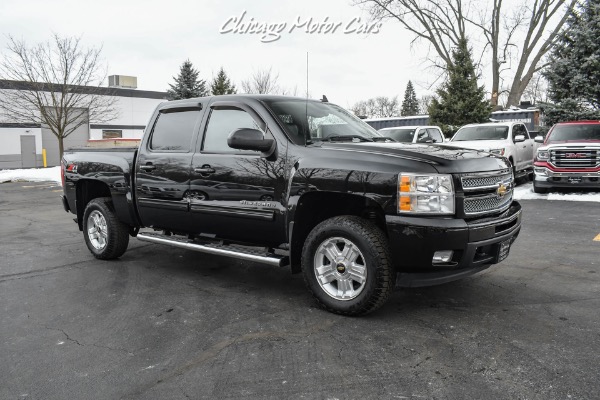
[
  {"x": 574, "y": 71},
  {"x": 410, "y": 104},
  {"x": 221, "y": 84},
  {"x": 187, "y": 84},
  {"x": 460, "y": 101}
]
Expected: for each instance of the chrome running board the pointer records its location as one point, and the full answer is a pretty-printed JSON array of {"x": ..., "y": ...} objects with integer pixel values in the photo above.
[{"x": 216, "y": 248}]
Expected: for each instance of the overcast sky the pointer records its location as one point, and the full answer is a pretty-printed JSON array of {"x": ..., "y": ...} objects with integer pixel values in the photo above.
[{"x": 150, "y": 40}]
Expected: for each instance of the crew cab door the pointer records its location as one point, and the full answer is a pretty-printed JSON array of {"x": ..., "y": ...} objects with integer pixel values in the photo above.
[
  {"x": 234, "y": 194},
  {"x": 529, "y": 151},
  {"x": 524, "y": 150},
  {"x": 162, "y": 180}
]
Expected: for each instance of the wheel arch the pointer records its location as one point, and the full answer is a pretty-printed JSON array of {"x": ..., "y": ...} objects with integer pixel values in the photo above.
[
  {"x": 85, "y": 191},
  {"x": 315, "y": 207}
]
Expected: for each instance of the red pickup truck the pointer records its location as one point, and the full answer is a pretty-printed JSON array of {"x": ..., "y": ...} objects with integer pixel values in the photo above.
[{"x": 570, "y": 157}]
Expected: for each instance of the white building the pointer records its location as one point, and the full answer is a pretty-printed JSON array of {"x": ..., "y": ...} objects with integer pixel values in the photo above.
[{"x": 21, "y": 144}]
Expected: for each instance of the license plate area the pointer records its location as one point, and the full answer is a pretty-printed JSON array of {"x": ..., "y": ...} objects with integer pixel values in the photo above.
[
  {"x": 503, "y": 250},
  {"x": 574, "y": 179}
]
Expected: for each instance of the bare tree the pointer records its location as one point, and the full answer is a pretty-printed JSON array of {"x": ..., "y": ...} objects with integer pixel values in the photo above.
[
  {"x": 55, "y": 83},
  {"x": 424, "y": 102},
  {"x": 262, "y": 81},
  {"x": 360, "y": 109},
  {"x": 537, "y": 90},
  {"x": 377, "y": 107},
  {"x": 522, "y": 35}
]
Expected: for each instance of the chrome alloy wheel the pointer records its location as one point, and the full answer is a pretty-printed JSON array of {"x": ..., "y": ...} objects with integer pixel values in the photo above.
[
  {"x": 97, "y": 230},
  {"x": 340, "y": 268}
]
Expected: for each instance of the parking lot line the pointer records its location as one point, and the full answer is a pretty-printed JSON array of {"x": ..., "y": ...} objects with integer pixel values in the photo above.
[{"x": 597, "y": 238}]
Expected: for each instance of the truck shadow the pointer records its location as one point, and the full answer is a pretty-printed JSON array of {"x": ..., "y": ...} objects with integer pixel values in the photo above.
[{"x": 225, "y": 276}]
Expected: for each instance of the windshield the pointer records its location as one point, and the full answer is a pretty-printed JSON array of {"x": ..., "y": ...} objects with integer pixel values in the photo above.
[
  {"x": 311, "y": 121},
  {"x": 481, "y": 133},
  {"x": 399, "y": 135},
  {"x": 574, "y": 132}
]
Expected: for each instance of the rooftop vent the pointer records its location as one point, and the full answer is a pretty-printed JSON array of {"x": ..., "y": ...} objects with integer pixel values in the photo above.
[{"x": 122, "y": 81}]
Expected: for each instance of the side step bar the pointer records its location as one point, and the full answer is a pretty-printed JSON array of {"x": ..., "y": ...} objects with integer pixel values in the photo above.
[{"x": 218, "y": 249}]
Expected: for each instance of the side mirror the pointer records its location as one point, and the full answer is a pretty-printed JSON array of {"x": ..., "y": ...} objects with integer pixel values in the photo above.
[
  {"x": 539, "y": 139},
  {"x": 519, "y": 138},
  {"x": 250, "y": 139}
]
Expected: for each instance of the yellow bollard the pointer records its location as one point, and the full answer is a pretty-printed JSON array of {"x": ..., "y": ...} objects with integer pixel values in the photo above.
[{"x": 44, "y": 158}]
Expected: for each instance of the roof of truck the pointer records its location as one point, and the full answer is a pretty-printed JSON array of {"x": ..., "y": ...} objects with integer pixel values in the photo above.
[{"x": 267, "y": 97}]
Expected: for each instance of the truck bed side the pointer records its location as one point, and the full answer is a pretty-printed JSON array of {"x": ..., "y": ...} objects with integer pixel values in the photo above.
[{"x": 91, "y": 173}]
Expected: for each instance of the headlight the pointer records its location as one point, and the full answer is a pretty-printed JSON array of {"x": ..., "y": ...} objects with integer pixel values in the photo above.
[
  {"x": 425, "y": 194},
  {"x": 498, "y": 152},
  {"x": 543, "y": 154}
]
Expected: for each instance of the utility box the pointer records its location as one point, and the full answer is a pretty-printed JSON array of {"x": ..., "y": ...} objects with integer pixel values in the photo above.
[{"x": 122, "y": 81}]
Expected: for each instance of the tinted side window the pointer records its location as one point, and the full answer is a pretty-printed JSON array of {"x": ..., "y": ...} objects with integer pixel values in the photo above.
[
  {"x": 516, "y": 131},
  {"x": 525, "y": 132},
  {"x": 221, "y": 124},
  {"x": 174, "y": 131},
  {"x": 436, "y": 135}
]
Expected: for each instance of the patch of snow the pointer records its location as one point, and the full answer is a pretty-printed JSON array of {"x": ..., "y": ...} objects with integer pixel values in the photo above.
[
  {"x": 525, "y": 192},
  {"x": 31, "y": 175}
]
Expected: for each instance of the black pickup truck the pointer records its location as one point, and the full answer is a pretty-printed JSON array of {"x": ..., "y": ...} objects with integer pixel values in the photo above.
[{"x": 304, "y": 183}]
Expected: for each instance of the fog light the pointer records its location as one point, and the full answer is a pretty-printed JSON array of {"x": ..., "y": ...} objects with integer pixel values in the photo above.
[
  {"x": 540, "y": 171},
  {"x": 442, "y": 257}
]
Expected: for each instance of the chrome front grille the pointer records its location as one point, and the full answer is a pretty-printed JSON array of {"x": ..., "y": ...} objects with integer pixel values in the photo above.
[
  {"x": 575, "y": 157},
  {"x": 486, "y": 181},
  {"x": 487, "y": 193},
  {"x": 486, "y": 204}
]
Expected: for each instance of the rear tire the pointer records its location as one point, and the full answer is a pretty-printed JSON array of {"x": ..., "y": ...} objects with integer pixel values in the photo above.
[
  {"x": 105, "y": 236},
  {"x": 347, "y": 266}
]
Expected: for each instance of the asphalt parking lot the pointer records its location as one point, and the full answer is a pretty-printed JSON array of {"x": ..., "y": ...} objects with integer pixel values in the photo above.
[{"x": 165, "y": 323}]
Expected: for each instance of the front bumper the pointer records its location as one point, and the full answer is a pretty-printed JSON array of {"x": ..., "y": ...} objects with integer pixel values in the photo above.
[
  {"x": 475, "y": 245},
  {"x": 547, "y": 179}
]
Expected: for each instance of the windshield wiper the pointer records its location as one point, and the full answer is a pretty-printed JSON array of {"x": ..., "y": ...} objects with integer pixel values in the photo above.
[
  {"x": 382, "y": 139},
  {"x": 339, "y": 138}
]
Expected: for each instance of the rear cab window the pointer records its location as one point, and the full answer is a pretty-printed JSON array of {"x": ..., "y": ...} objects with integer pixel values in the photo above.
[{"x": 174, "y": 130}]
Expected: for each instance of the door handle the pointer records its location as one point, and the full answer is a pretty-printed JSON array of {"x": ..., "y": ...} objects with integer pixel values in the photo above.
[
  {"x": 205, "y": 169},
  {"x": 147, "y": 167}
]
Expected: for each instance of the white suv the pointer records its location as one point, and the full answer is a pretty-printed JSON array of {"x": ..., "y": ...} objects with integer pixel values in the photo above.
[
  {"x": 414, "y": 134},
  {"x": 508, "y": 139}
]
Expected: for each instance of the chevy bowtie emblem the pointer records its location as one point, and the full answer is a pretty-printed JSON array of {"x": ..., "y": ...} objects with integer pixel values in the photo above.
[{"x": 502, "y": 190}]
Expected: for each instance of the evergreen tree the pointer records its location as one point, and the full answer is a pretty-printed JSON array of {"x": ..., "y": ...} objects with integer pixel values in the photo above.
[
  {"x": 410, "y": 104},
  {"x": 187, "y": 84},
  {"x": 574, "y": 71},
  {"x": 221, "y": 84},
  {"x": 460, "y": 101}
]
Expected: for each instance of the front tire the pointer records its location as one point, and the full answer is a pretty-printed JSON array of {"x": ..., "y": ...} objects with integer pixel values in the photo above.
[
  {"x": 105, "y": 236},
  {"x": 347, "y": 266}
]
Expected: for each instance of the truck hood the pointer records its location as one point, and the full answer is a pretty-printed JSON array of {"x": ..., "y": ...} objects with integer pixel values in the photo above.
[
  {"x": 443, "y": 158},
  {"x": 483, "y": 145},
  {"x": 587, "y": 142},
  {"x": 576, "y": 144}
]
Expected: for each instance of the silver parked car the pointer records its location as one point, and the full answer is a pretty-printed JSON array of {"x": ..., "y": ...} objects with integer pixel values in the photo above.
[{"x": 414, "y": 134}]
